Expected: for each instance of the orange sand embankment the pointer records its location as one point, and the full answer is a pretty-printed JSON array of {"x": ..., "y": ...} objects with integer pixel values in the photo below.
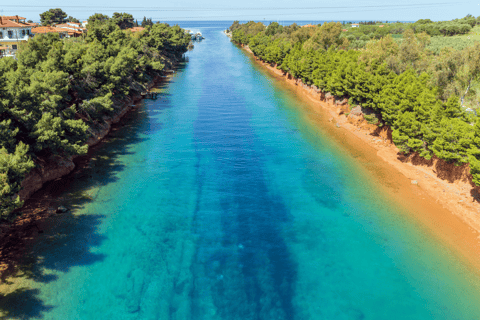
[{"x": 440, "y": 196}]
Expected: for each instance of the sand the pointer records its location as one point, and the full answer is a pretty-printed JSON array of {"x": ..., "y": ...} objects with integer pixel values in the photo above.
[{"x": 440, "y": 196}]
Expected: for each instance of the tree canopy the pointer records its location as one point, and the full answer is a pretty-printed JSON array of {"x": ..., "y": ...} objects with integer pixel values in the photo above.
[
  {"x": 58, "y": 90},
  {"x": 404, "y": 85},
  {"x": 53, "y": 16}
]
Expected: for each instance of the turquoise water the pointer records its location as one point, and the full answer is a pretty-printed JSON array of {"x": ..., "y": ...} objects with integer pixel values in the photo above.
[{"x": 220, "y": 201}]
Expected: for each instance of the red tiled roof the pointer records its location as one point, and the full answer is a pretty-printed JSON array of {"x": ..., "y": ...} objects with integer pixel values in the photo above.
[
  {"x": 135, "y": 29},
  {"x": 8, "y": 22},
  {"x": 74, "y": 33},
  {"x": 308, "y": 26},
  {"x": 13, "y": 17},
  {"x": 48, "y": 29}
]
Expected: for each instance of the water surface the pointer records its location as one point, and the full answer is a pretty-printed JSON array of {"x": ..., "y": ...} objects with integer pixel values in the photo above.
[{"x": 220, "y": 201}]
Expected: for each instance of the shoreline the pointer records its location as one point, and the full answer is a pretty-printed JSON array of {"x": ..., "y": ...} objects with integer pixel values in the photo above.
[
  {"x": 41, "y": 199},
  {"x": 437, "y": 195}
]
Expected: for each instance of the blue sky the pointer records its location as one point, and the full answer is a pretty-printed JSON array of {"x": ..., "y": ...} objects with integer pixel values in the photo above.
[{"x": 281, "y": 10}]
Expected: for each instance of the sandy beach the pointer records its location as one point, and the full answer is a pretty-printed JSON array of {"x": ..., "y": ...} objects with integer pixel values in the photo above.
[{"x": 440, "y": 196}]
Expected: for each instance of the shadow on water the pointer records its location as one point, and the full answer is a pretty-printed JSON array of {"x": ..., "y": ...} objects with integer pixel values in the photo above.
[
  {"x": 22, "y": 304},
  {"x": 40, "y": 249},
  {"x": 251, "y": 275},
  {"x": 55, "y": 245}
]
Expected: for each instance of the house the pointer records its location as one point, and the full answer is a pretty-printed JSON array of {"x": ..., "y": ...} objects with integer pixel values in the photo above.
[
  {"x": 355, "y": 25},
  {"x": 13, "y": 31},
  {"x": 309, "y": 26},
  {"x": 380, "y": 26},
  {"x": 73, "y": 29},
  {"x": 63, "y": 33},
  {"x": 84, "y": 24}
]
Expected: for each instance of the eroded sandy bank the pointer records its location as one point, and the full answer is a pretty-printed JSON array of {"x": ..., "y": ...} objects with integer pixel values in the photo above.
[{"x": 440, "y": 196}]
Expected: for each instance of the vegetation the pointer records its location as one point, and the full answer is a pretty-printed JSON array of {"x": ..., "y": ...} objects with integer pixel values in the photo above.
[
  {"x": 53, "y": 16},
  {"x": 58, "y": 90},
  {"x": 72, "y": 19},
  {"x": 415, "y": 91},
  {"x": 146, "y": 22}
]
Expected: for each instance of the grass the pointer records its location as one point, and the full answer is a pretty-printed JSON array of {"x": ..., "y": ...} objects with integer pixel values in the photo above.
[{"x": 457, "y": 42}]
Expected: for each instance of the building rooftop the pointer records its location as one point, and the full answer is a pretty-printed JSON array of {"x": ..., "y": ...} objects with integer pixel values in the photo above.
[
  {"x": 70, "y": 26},
  {"x": 17, "y": 17},
  {"x": 14, "y": 22},
  {"x": 48, "y": 29}
]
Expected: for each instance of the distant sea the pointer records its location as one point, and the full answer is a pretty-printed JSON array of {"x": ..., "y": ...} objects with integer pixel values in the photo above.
[{"x": 227, "y": 23}]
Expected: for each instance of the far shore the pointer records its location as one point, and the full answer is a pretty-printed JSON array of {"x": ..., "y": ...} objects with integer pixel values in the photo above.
[{"x": 440, "y": 197}]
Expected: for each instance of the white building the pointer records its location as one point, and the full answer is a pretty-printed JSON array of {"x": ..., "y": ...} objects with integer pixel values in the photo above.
[
  {"x": 13, "y": 31},
  {"x": 74, "y": 29}
]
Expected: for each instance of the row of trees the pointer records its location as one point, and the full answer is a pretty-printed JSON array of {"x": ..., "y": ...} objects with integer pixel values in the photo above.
[
  {"x": 58, "y": 90},
  {"x": 405, "y": 86},
  {"x": 124, "y": 20}
]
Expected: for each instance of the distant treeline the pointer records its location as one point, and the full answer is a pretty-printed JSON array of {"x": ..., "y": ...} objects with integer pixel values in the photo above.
[
  {"x": 405, "y": 86},
  {"x": 57, "y": 90}
]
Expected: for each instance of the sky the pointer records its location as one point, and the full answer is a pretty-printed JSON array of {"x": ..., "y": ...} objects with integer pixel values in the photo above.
[{"x": 270, "y": 10}]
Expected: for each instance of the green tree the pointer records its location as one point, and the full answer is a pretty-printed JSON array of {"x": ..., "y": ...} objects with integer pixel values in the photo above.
[
  {"x": 96, "y": 19},
  {"x": 326, "y": 36},
  {"x": 13, "y": 168},
  {"x": 123, "y": 20},
  {"x": 453, "y": 141},
  {"x": 273, "y": 28},
  {"x": 146, "y": 22},
  {"x": 72, "y": 19},
  {"x": 53, "y": 16}
]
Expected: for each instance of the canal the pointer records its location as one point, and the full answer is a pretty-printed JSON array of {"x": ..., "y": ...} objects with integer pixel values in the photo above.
[{"x": 219, "y": 200}]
